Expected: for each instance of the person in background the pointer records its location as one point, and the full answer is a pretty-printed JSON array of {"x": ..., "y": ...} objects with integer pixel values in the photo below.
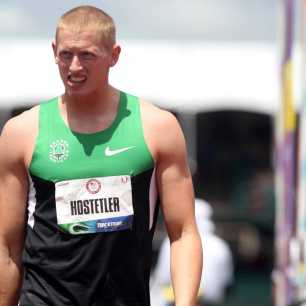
[{"x": 218, "y": 272}]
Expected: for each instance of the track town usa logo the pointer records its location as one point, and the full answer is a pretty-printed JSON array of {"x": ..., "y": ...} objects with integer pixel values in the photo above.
[{"x": 59, "y": 151}]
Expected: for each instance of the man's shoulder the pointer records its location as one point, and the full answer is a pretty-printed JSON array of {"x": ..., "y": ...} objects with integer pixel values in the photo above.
[
  {"x": 158, "y": 117},
  {"x": 22, "y": 123},
  {"x": 17, "y": 137},
  {"x": 162, "y": 131}
]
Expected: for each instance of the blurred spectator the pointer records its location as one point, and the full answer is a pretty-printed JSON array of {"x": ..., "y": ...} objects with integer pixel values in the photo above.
[{"x": 217, "y": 274}]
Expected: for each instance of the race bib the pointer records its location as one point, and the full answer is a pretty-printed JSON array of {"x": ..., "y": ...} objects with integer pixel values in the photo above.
[{"x": 101, "y": 204}]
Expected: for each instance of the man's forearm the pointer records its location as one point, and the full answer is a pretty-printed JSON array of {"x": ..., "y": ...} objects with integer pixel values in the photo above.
[
  {"x": 186, "y": 268},
  {"x": 10, "y": 280}
]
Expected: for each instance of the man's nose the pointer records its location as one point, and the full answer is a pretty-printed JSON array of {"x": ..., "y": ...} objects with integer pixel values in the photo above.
[{"x": 75, "y": 64}]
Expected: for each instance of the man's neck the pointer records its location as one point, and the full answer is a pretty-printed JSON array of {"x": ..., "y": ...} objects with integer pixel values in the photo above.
[
  {"x": 90, "y": 113},
  {"x": 95, "y": 102}
]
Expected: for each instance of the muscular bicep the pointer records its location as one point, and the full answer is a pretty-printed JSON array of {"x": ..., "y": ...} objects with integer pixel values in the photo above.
[
  {"x": 13, "y": 190},
  {"x": 174, "y": 181}
]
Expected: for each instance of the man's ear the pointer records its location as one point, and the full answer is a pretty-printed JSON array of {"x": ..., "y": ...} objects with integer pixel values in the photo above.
[
  {"x": 54, "y": 47},
  {"x": 115, "y": 55}
]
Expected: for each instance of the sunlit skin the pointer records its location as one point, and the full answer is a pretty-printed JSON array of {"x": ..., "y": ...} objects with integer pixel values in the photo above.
[{"x": 84, "y": 63}]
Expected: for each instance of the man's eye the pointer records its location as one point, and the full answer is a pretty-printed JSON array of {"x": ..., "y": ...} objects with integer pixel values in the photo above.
[
  {"x": 65, "y": 55},
  {"x": 87, "y": 56}
]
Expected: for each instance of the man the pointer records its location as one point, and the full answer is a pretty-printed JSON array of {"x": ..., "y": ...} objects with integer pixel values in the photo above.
[{"x": 84, "y": 173}]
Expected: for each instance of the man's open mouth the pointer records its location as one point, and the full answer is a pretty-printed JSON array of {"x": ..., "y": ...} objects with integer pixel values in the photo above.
[{"x": 77, "y": 79}]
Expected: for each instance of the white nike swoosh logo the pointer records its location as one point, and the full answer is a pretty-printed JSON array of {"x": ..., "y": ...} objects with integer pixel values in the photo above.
[{"x": 109, "y": 152}]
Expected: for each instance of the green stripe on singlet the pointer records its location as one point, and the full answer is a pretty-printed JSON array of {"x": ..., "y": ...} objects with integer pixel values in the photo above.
[{"x": 62, "y": 154}]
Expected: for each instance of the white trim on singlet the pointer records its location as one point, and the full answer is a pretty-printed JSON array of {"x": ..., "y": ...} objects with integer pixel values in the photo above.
[
  {"x": 153, "y": 197},
  {"x": 31, "y": 203}
]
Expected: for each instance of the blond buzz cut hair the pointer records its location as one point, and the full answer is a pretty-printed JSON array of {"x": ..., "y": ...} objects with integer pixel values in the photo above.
[{"x": 89, "y": 18}]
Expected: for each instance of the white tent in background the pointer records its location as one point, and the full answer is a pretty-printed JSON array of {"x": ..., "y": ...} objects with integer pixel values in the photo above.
[{"x": 186, "y": 76}]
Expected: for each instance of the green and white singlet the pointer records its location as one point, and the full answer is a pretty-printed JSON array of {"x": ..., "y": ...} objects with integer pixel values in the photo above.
[{"x": 92, "y": 210}]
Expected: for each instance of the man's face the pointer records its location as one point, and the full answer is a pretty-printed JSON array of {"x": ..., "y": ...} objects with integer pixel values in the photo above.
[{"x": 83, "y": 61}]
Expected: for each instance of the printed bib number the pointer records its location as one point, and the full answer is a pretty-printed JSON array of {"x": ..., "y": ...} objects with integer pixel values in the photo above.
[{"x": 93, "y": 205}]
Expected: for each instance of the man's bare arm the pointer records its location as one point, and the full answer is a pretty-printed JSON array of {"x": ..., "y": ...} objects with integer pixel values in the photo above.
[
  {"x": 13, "y": 195},
  {"x": 166, "y": 142}
]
